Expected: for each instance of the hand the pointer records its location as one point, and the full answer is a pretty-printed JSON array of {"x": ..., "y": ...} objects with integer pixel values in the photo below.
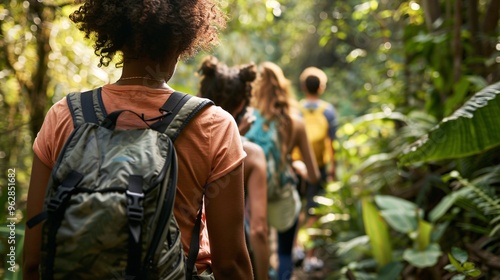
[
  {"x": 246, "y": 121},
  {"x": 300, "y": 168}
]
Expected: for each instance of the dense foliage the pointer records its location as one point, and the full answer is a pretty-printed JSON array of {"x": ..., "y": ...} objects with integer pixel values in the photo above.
[{"x": 416, "y": 87}]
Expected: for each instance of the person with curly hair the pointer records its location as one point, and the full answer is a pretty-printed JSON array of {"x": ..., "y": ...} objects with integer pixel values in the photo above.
[
  {"x": 149, "y": 37},
  {"x": 273, "y": 100},
  {"x": 230, "y": 88}
]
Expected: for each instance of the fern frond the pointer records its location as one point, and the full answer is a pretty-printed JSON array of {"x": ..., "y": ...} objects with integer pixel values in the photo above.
[{"x": 484, "y": 197}]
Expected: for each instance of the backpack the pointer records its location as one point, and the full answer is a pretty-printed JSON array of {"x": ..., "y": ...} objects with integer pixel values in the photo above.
[
  {"x": 109, "y": 204},
  {"x": 316, "y": 129},
  {"x": 283, "y": 203}
]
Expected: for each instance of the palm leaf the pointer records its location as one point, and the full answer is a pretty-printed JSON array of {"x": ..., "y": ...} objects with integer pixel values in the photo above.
[{"x": 470, "y": 130}]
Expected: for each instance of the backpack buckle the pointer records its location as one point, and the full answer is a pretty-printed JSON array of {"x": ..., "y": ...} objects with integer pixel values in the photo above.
[
  {"x": 65, "y": 188},
  {"x": 60, "y": 196},
  {"x": 135, "y": 211}
]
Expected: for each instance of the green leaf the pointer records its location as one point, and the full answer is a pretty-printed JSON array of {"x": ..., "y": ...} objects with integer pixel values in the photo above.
[
  {"x": 445, "y": 204},
  {"x": 459, "y": 254},
  {"x": 458, "y": 277},
  {"x": 392, "y": 202},
  {"x": 495, "y": 230},
  {"x": 455, "y": 263},
  {"x": 421, "y": 259},
  {"x": 424, "y": 234},
  {"x": 474, "y": 273},
  {"x": 469, "y": 266},
  {"x": 468, "y": 131},
  {"x": 377, "y": 230},
  {"x": 347, "y": 246},
  {"x": 450, "y": 268},
  {"x": 403, "y": 221},
  {"x": 390, "y": 271}
]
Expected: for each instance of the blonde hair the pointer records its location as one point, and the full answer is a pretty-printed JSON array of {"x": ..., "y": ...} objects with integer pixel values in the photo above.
[{"x": 272, "y": 97}]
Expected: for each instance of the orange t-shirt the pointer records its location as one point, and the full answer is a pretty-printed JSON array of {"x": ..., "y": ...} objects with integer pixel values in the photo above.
[{"x": 208, "y": 148}]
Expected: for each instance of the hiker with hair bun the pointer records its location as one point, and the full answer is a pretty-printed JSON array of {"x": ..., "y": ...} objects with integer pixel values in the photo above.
[
  {"x": 150, "y": 37},
  {"x": 230, "y": 88},
  {"x": 278, "y": 130}
]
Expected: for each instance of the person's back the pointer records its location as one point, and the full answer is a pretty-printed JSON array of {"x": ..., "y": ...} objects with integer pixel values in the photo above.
[
  {"x": 320, "y": 120},
  {"x": 321, "y": 127},
  {"x": 230, "y": 88},
  {"x": 272, "y": 100},
  {"x": 208, "y": 163}
]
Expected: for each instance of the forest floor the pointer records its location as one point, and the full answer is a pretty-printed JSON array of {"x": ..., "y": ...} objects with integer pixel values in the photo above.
[
  {"x": 327, "y": 270},
  {"x": 330, "y": 264}
]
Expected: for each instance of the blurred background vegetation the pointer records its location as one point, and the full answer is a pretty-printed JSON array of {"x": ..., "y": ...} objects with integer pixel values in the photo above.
[{"x": 416, "y": 87}]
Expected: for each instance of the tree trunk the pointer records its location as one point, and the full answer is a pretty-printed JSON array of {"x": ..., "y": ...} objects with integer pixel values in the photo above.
[
  {"x": 37, "y": 91},
  {"x": 432, "y": 12},
  {"x": 457, "y": 42},
  {"x": 489, "y": 26}
]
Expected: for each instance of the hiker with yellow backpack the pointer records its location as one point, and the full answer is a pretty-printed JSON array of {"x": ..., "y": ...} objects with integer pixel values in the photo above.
[{"x": 320, "y": 123}]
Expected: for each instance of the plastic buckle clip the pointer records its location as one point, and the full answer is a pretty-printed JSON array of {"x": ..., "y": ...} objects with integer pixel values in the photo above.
[
  {"x": 61, "y": 195},
  {"x": 135, "y": 211}
]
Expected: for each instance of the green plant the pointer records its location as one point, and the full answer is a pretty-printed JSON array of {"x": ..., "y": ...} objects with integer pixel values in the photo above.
[
  {"x": 377, "y": 231},
  {"x": 468, "y": 131},
  {"x": 458, "y": 263},
  {"x": 472, "y": 197},
  {"x": 407, "y": 218}
]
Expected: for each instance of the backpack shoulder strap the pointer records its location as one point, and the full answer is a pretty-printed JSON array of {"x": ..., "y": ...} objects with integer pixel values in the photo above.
[
  {"x": 86, "y": 107},
  {"x": 180, "y": 109},
  {"x": 322, "y": 105}
]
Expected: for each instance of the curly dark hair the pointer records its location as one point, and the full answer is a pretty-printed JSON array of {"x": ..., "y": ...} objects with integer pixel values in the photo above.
[
  {"x": 227, "y": 86},
  {"x": 151, "y": 28}
]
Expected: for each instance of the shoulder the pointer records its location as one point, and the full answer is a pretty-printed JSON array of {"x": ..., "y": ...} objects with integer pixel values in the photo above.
[
  {"x": 56, "y": 128},
  {"x": 59, "y": 109},
  {"x": 255, "y": 159},
  {"x": 326, "y": 105},
  {"x": 253, "y": 150},
  {"x": 214, "y": 114},
  {"x": 298, "y": 123},
  {"x": 58, "y": 118},
  {"x": 328, "y": 110}
]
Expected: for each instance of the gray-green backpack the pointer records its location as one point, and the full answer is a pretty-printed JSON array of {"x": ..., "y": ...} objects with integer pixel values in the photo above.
[{"x": 109, "y": 204}]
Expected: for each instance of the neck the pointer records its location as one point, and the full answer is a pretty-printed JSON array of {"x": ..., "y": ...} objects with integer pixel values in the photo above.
[
  {"x": 147, "y": 72},
  {"x": 311, "y": 96}
]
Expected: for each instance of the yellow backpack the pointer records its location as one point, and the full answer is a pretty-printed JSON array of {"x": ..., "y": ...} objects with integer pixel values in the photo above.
[{"x": 316, "y": 126}]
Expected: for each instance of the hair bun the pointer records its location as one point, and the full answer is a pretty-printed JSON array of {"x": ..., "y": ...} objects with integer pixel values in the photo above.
[
  {"x": 209, "y": 66},
  {"x": 248, "y": 73}
]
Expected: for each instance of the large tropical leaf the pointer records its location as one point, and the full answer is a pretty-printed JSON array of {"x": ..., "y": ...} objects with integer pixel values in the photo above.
[
  {"x": 472, "y": 129},
  {"x": 378, "y": 232}
]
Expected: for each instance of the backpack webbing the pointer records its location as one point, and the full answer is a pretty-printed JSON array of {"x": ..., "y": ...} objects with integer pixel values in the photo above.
[
  {"x": 92, "y": 109},
  {"x": 88, "y": 107}
]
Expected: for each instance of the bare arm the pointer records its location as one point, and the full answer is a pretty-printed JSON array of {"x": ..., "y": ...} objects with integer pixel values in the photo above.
[
  {"x": 256, "y": 182},
  {"x": 305, "y": 150},
  {"x": 332, "y": 166},
  {"x": 40, "y": 175},
  {"x": 225, "y": 214}
]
